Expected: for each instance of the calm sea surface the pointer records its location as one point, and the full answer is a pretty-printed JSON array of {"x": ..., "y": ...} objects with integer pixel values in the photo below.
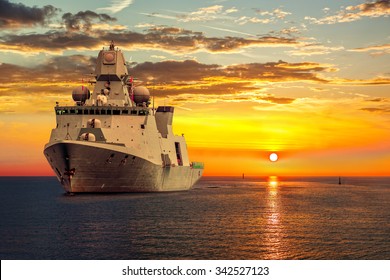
[{"x": 221, "y": 218}]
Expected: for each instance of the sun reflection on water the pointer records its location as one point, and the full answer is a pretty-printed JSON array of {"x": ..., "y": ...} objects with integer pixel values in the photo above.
[
  {"x": 274, "y": 229},
  {"x": 273, "y": 184}
]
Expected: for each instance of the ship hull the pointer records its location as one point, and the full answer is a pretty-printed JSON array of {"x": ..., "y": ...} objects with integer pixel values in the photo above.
[{"x": 85, "y": 167}]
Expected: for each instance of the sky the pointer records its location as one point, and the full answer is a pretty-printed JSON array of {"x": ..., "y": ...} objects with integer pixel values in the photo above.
[{"x": 309, "y": 80}]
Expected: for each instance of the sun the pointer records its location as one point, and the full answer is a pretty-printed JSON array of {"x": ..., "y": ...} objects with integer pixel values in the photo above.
[{"x": 273, "y": 157}]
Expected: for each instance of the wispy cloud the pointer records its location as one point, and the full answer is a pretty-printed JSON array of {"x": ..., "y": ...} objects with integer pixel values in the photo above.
[
  {"x": 116, "y": 6},
  {"x": 230, "y": 30},
  {"x": 277, "y": 13},
  {"x": 245, "y": 19},
  {"x": 374, "y": 9},
  {"x": 266, "y": 17},
  {"x": 374, "y": 50},
  {"x": 157, "y": 15},
  {"x": 205, "y": 14},
  {"x": 378, "y": 110},
  {"x": 314, "y": 49}
]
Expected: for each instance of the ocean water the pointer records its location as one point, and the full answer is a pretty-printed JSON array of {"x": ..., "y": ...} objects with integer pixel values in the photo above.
[{"x": 220, "y": 218}]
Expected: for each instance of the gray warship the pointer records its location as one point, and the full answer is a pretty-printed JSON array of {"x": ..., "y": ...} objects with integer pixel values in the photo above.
[{"x": 111, "y": 140}]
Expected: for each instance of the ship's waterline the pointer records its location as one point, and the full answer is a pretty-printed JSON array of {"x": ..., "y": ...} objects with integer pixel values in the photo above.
[{"x": 112, "y": 141}]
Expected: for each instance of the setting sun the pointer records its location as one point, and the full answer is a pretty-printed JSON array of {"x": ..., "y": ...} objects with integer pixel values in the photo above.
[{"x": 273, "y": 157}]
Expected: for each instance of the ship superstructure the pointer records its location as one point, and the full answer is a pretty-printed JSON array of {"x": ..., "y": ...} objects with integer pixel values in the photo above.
[{"x": 112, "y": 141}]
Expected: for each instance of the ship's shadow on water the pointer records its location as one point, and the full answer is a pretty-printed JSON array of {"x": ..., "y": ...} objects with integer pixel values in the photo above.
[{"x": 220, "y": 218}]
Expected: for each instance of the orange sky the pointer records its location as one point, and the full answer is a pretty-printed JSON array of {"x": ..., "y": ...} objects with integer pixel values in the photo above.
[{"x": 314, "y": 86}]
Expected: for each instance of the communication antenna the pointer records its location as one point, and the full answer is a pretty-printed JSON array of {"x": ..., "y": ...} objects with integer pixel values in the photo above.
[{"x": 152, "y": 91}]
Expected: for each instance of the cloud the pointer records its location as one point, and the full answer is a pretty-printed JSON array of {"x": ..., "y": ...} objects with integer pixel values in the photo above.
[
  {"x": 187, "y": 81},
  {"x": 277, "y": 13},
  {"x": 244, "y": 20},
  {"x": 378, "y": 81},
  {"x": 377, "y": 100},
  {"x": 241, "y": 82},
  {"x": 374, "y": 9},
  {"x": 264, "y": 100},
  {"x": 79, "y": 35},
  {"x": 82, "y": 21},
  {"x": 212, "y": 10},
  {"x": 18, "y": 15},
  {"x": 191, "y": 71},
  {"x": 385, "y": 110},
  {"x": 272, "y": 16},
  {"x": 314, "y": 49},
  {"x": 56, "y": 69},
  {"x": 116, "y": 6},
  {"x": 204, "y": 14},
  {"x": 230, "y": 31},
  {"x": 278, "y": 100},
  {"x": 374, "y": 50},
  {"x": 49, "y": 42},
  {"x": 382, "y": 105}
]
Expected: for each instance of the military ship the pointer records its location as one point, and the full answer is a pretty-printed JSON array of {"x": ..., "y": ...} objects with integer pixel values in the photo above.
[{"x": 112, "y": 140}]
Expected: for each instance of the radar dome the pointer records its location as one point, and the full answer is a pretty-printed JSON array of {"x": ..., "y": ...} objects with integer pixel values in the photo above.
[
  {"x": 80, "y": 94},
  {"x": 141, "y": 94}
]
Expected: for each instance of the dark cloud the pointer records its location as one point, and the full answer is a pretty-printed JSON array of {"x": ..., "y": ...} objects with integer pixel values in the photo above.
[
  {"x": 377, "y": 99},
  {"x": 13, "y": 15},
  {"x": 278, "y": 100},
  {"x": 277, "y": 71},
  {"x": 376, "y": 109},
  {"x": 52, "y": 41},
  {"x": 82, "y": 21},
  {"x": 178, "y": 73},
  {"x": 382, "y": 106},
  {"x": 181, "y": 40},
  {"x": 191, "y": 70},
  {"x": 79, "y": 35},
  {"x": 202, "y": 88},
  {"x": 168, "y": 77},
  {"x": 191, "y": 77},
  {"x": 374, "y": 7},
  {"x": 56, "y": 69},
  {"x": 175, "y": 71}
]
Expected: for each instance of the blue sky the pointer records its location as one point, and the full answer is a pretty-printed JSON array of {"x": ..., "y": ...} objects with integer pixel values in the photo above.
[{"x": 325, "y": 41}]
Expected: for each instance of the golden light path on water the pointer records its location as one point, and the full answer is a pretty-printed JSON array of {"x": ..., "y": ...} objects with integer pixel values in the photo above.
[{"x": 274, "y": 229}]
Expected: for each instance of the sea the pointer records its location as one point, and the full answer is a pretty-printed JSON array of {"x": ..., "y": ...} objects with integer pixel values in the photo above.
[{"x": 225, "y": 218}]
